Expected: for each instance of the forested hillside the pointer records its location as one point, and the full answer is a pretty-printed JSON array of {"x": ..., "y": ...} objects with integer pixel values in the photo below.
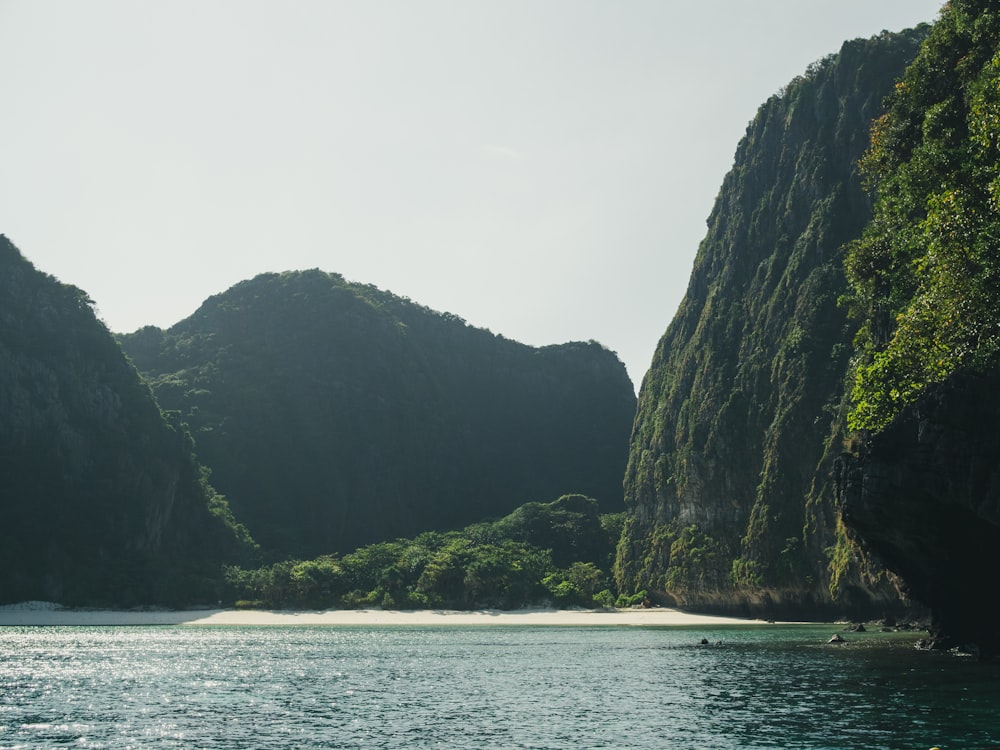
[
  {"x": 741, "y": 415},
  {"x": 334, "y": 415},
  {"x": 102, "y": 501},
  {"x": 922, "y": 487}
]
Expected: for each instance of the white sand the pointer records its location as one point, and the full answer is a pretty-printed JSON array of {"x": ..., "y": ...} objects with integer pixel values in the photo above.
[{"x": 39, "y": 613}]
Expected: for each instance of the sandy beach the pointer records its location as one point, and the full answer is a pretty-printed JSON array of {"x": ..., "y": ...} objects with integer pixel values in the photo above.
[{"x": 41, "y": 613}]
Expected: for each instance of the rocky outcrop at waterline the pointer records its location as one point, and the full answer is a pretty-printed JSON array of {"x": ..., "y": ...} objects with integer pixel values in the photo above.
[{"x": 924, "y": 494}]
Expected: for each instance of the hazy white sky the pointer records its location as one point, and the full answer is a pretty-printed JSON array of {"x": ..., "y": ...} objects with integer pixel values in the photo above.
[{"x": 542, "y": 168}]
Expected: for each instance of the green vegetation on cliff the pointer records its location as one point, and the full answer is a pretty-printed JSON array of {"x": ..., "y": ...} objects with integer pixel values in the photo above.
[
  {"x": 728, "y": 506},
  {"x": 335, "y": 415},
  {"x": 922, "y": 487},
  {"x": 925, "y": 277},
  {"x": 102, "y": 500},
  {"x": 558, "y": 553}
]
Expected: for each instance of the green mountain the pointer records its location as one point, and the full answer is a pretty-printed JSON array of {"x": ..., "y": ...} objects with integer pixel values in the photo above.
[
  {"x": 102, "y": 501},
  {"x": 922, "y": 486},
  {"x": 334, "y": 415},
  {"x": 730, "y": 506}
]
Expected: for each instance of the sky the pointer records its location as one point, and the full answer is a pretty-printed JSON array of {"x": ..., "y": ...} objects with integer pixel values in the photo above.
[{"x": 540, "y": 168}]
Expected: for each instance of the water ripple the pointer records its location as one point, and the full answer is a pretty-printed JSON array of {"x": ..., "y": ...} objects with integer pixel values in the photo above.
[{"x": 520, "y": 687}]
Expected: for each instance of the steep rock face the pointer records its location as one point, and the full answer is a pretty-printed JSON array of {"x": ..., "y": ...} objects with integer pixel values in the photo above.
[
  {"x": 924, "y": 494},
  {"x": 729, "y": 506},
  {"x": 925, "y": 281},
  {"x": 102, "y": 501},
  {"x": 334, "y": 414}
]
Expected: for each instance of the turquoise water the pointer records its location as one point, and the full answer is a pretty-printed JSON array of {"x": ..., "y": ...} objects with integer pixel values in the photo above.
[{"x": 486, "y": 687}]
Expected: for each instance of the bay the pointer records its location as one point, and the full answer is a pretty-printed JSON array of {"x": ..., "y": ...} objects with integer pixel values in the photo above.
[{"x": 766, "y": 686}]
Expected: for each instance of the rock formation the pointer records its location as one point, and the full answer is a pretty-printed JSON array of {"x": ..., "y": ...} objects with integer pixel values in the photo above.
[
  {"x": 922, "y": 486},
  {"x": 924, "y": 494},
  {"x": 739, "y": 419},
  {"x": 334, "y": 414},
  {"x": 102, "y": 501}
]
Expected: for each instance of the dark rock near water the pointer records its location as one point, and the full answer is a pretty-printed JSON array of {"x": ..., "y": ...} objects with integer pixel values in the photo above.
[{"x": 924, "y": 494}]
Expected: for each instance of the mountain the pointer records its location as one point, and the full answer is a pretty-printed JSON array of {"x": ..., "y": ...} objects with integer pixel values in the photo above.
[
  {"x": 334, "y": 414},
  {"x": 922, "y": 485},
  {"x": 102, "y": 501},
  {"x": 740, "y": 417}
]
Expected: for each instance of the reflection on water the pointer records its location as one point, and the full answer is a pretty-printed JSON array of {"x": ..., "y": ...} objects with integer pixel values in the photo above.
[{"x": 487, "y": 687}]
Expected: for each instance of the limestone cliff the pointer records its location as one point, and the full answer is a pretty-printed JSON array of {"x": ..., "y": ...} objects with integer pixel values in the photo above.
[
  {"x": 922, "y": 487},
  {"x": 729, "y": 505},
  {"x": 924, "y": 494},
  {"x": 334, "y": 414},
  {"x": 101, "y": 500}
]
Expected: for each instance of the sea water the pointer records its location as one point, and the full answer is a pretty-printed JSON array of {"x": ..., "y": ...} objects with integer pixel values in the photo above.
[{"x": 766, "y": 686}]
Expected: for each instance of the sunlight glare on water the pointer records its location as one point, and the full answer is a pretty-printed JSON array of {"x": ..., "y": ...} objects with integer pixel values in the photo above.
[{"x": 486, "y": 687}]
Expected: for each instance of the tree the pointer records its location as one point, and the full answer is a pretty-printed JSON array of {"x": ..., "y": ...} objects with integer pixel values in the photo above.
[{"x": 925, "y": 276}]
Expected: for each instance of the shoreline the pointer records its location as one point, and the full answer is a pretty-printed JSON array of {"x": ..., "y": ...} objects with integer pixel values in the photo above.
[{"x": 21, "y": 615}]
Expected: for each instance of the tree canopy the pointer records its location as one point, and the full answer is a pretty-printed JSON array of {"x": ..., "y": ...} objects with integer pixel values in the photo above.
[
  {"x": 542, "y": 553},
  {"x": 925, "y": 276}
]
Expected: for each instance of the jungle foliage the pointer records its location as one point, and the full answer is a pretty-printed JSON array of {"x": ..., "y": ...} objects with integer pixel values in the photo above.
[
  {"x": 102, "y": 501},
  {"x": 334, "y": 414},
  {"x": 554, "y": 553},
  {"x": 925, "y": 276}
]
